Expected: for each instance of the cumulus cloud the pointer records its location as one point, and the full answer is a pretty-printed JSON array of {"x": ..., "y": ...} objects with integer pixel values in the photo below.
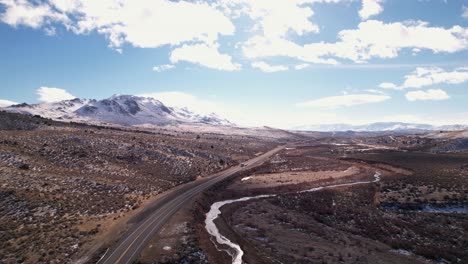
[
  {"x": 370, "y": 8},
  {"x": 50, "y": 94},
  {"x": 183, "y": 99},
  {"x": 265, "y": 67},
  {"x": 431, "y": 94},
  {"x": 245, "y": 115},
  {"x": 34, "y": 15},
  {"x": 261, "y": 47},
  {"x": 344, "y": 100},
  {"x": 5, "y": 103},
  {"x": 362, "y": 44},
  {"x": 426, "y": 76},
  {"x": 272, "y": 27},
  {"x": 276, "y": 18},
  {"x": 205, "y": 55},
  {"x": 163, "y": 67},
  {"x": 145, "y": 23},
  {"x": 141, "y": 23},
  {"x": 273, "y": 22}
]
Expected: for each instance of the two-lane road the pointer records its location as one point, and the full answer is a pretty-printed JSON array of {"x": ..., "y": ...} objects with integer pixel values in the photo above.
[{"x": 135, "y": 240}]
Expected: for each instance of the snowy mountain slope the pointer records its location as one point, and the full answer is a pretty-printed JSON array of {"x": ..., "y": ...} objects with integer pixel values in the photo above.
[
  {"x": 56, "y": 110},
  {"x": 378, "y": 127},
  {"x": 127, "y": 110}
]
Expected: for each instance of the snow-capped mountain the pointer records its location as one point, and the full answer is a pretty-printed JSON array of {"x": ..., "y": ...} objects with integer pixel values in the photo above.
[
  {"x": 127, "y": 110},
  {"x": 379, "y": 127}
]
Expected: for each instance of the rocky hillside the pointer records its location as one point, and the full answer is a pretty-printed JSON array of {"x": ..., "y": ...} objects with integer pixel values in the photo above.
[
  {"x": 125, "y": 110},
  {"x": 62, "y": 185}
]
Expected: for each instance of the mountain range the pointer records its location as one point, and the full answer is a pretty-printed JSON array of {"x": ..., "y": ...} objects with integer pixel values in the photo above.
[
  {"x": 380, "y": 126},
  {"x": 126, "y": 110},
  {"x": 130, "y": 110}
]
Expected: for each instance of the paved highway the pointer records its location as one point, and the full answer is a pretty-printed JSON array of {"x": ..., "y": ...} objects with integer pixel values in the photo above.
[{"x": 153, "y": 219}]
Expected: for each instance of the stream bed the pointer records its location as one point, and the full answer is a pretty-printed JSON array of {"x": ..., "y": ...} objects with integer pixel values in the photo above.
[{"x": 236, "y": 251}]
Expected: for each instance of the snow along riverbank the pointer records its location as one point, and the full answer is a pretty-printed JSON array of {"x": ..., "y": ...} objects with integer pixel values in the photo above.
[{"x": 215, "y": 211}]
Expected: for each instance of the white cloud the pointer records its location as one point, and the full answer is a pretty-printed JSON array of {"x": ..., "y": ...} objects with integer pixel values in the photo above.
[
  {"x": 415, "y": 51},
  {"x": 426, "y": 76},
  {"x": 274, "y": 25},
  {"x": 248, "y": 115},
  {"x": 374, "y": 91},
  {"x": 51, "y": 31},
  {"x": 301, "y": 66},
  {"x": 50, "y": 94},
  {"x": 358, "y": 45},
  {"x": 275, "y": 18},
  {"x": 183, "y": 99},
  {"x": 261, "y": 47},
  {"x": 205, "y": 55},
  {"x": 464, "y": 12},
  {"x": 273, "y": 22},
  {"x": 265, "y": 67},
  {"x": 24, "y": 13},
  {"x": 142, "y": 23},
  {"x": 387, "y": 85},
  {"x": 431, "y": 94},
  {"x": 344, "y": 100},
  {"x": 163, "y": 67},
  {"x": 145, "y": 23},
  {"x": 362, "y": 44},
  {"x": 5, "y": 103},
  {"x": 244, "y": 114},
  {"x": 370, "y": 8}
]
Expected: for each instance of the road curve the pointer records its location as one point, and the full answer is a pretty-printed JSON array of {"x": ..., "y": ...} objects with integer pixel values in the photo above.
[{"x": 132, "y": 243}]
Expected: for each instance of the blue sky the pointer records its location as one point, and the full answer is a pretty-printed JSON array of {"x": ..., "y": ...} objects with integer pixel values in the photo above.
[{"x": 279, "y": 63}]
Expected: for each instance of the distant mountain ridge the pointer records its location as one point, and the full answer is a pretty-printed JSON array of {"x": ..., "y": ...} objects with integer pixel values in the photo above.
[
  {"x": 126, "y": 110},
  {"x": 380, "y": 127},
  {"x": 129, "y": 110}
]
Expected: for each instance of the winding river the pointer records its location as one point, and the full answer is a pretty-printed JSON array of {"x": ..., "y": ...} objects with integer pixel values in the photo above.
[{"x": 236, "y": 251}]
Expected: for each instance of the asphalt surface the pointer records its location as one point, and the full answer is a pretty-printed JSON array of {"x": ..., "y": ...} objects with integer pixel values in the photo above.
[{"x": 153, "y": 218}]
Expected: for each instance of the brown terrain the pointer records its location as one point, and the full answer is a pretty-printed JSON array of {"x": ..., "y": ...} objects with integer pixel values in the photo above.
[
  {"x": 66, "y": 187},
  {"x": 417, "y": 213}
]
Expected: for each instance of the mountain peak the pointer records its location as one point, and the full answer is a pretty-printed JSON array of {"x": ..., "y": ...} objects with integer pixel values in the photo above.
[
  {"x": 124, "y": 97},
  {"x": 119, "y": 109}
]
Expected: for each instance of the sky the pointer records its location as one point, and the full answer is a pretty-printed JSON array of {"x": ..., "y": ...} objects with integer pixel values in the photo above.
[{"x": 281, "y": 63}]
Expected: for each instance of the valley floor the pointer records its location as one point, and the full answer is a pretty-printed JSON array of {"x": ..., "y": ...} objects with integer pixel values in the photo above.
[
  {"x": 69, "y": 190},
  {"x": 65, "y": 187},
  {"x": 381, "y": 222}
]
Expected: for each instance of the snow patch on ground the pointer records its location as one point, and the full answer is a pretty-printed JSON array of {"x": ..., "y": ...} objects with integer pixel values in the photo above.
[
  {"x": 167, "y": 248},
  {"x": 402, "y": 252}
]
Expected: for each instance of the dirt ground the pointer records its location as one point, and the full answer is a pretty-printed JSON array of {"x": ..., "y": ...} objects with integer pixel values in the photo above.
[
  {"x": 64, "y": 187},
  {"x": 287, "y": 178},
  {"x": 346, "y": 224}
]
